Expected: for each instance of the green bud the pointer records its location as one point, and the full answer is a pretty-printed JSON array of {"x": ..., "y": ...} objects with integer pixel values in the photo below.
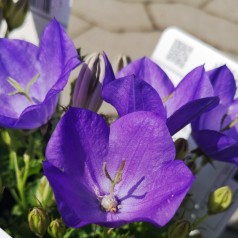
[
  {"x": 44, "y": 193},
  {"x": 6, "y": 137},
  {"x": 120, "y": 62},
  {"x": 38, "y": 221},
  {"x": 219, "y": 200},
  {"x": 179, "y": 229},
  {"x": 181, "y": 148},
  {"x": 14, "y": 13},
  {"x": 57, "y": 228}
]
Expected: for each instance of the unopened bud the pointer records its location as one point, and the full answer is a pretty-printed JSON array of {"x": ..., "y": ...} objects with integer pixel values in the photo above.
[
  {"x": 14, "y": 12},
  {"x": 88, "y": 85},
  {"x": 38, "y": 221},
  {"x": 44, "y": 193},
  {"x": 219, "y": 200},
  {"x": 179, "y": 229},
  {"x": 120, "y": 62},
  {"x": 6, "y": 137},
  {"x": 182, "y": 147},
  {"x": 57, "y": 229}
]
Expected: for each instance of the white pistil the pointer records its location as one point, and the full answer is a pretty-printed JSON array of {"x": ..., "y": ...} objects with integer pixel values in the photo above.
[{"x": 108, "y": 202}]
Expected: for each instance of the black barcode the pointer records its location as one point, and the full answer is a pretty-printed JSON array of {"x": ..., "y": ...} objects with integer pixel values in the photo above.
[
  {"x": 179, "y": 53},
  {"x": 41, "y": 5}
]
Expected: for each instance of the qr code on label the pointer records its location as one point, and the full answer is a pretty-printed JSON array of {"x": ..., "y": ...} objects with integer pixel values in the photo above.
[{"x": 179, "y": 53}]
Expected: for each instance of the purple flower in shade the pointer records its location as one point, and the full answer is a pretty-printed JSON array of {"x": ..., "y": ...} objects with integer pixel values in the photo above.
[
  {"x": 117, "y": 175},
  {"x": 216, "y": 132},
  {"x": 148, "y": 88},
  {"x": 31, "y": 77}
]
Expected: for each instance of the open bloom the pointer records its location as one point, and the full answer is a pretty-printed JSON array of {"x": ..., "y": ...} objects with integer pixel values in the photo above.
[
  {"x": 143, "y": 85},
  {"x": 31, "y": 77},
  {"x": 216, "y": 132},
  {"x": 117, "y": 175}
]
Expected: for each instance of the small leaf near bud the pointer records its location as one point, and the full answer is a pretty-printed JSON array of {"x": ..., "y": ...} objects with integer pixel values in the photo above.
[{"x": 219, "y": 200}]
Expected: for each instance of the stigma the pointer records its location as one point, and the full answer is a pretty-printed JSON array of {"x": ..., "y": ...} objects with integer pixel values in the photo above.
[{"x": 109, "y": 203}]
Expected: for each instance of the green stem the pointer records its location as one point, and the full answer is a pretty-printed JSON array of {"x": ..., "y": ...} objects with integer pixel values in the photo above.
[
  {"x": 7, "y": 32},
  {"x": 26, "y": 169},
  {"x": 20, "y": 183},
  {"x": 199, "y": 221},
  {"x": 105, "y": 234}
]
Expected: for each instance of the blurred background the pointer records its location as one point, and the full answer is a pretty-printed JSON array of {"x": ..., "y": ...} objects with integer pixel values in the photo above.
[{"x": 134, "y": 27}]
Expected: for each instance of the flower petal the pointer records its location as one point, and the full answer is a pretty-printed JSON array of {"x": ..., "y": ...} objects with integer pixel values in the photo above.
[
  {"x": 145, "y": 69},
  {"x": 57, "y": 55},
  {"x": 80, "y": 139},
  {"x": 158, "y": 196},
  {"x": 109, "y": 74},
  {"x": 195, "y": 85},
  {"x": 217, "y": 145},
  {"x": 187, "y": 113},
  {"x": 73, "y": 198},
  {"x": 137, "y": 95},
  {"x": 223, "y": 83}
]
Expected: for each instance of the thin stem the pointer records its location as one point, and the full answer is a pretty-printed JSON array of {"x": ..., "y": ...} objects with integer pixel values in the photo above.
[
  {"x": 200, "y": 220},
  {"x": 20, "y": 184},
  {"x": 7, "y": 32}
]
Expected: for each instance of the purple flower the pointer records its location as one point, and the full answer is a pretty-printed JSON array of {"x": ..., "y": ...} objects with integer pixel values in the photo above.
[
  {"x": 148, "y": 88},
  {"x": 216, "y": 132},
  {"x": 117, "y": 175},
  {"x": 31, "y": 77}
]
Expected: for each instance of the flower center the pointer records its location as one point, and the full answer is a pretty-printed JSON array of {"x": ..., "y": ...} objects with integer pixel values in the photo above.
[{"x": 109, "y": 202}]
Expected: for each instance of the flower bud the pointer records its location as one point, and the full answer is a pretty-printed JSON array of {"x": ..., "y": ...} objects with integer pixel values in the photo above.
[
  {"x": 57, "y": 228},
  {"x": 88, "y": 85},
  {"x": 219, "y": 200},
  {"x": 38, "y": 221},
  {"x": 182, "y": 147},
  {"x": 14, "y": 12},
  {"x": 120, "y": 62},
  {"x": 6, "y": 137},
  {"x": 179, "y": 229},
  {"x": 44, "y": 193}
]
